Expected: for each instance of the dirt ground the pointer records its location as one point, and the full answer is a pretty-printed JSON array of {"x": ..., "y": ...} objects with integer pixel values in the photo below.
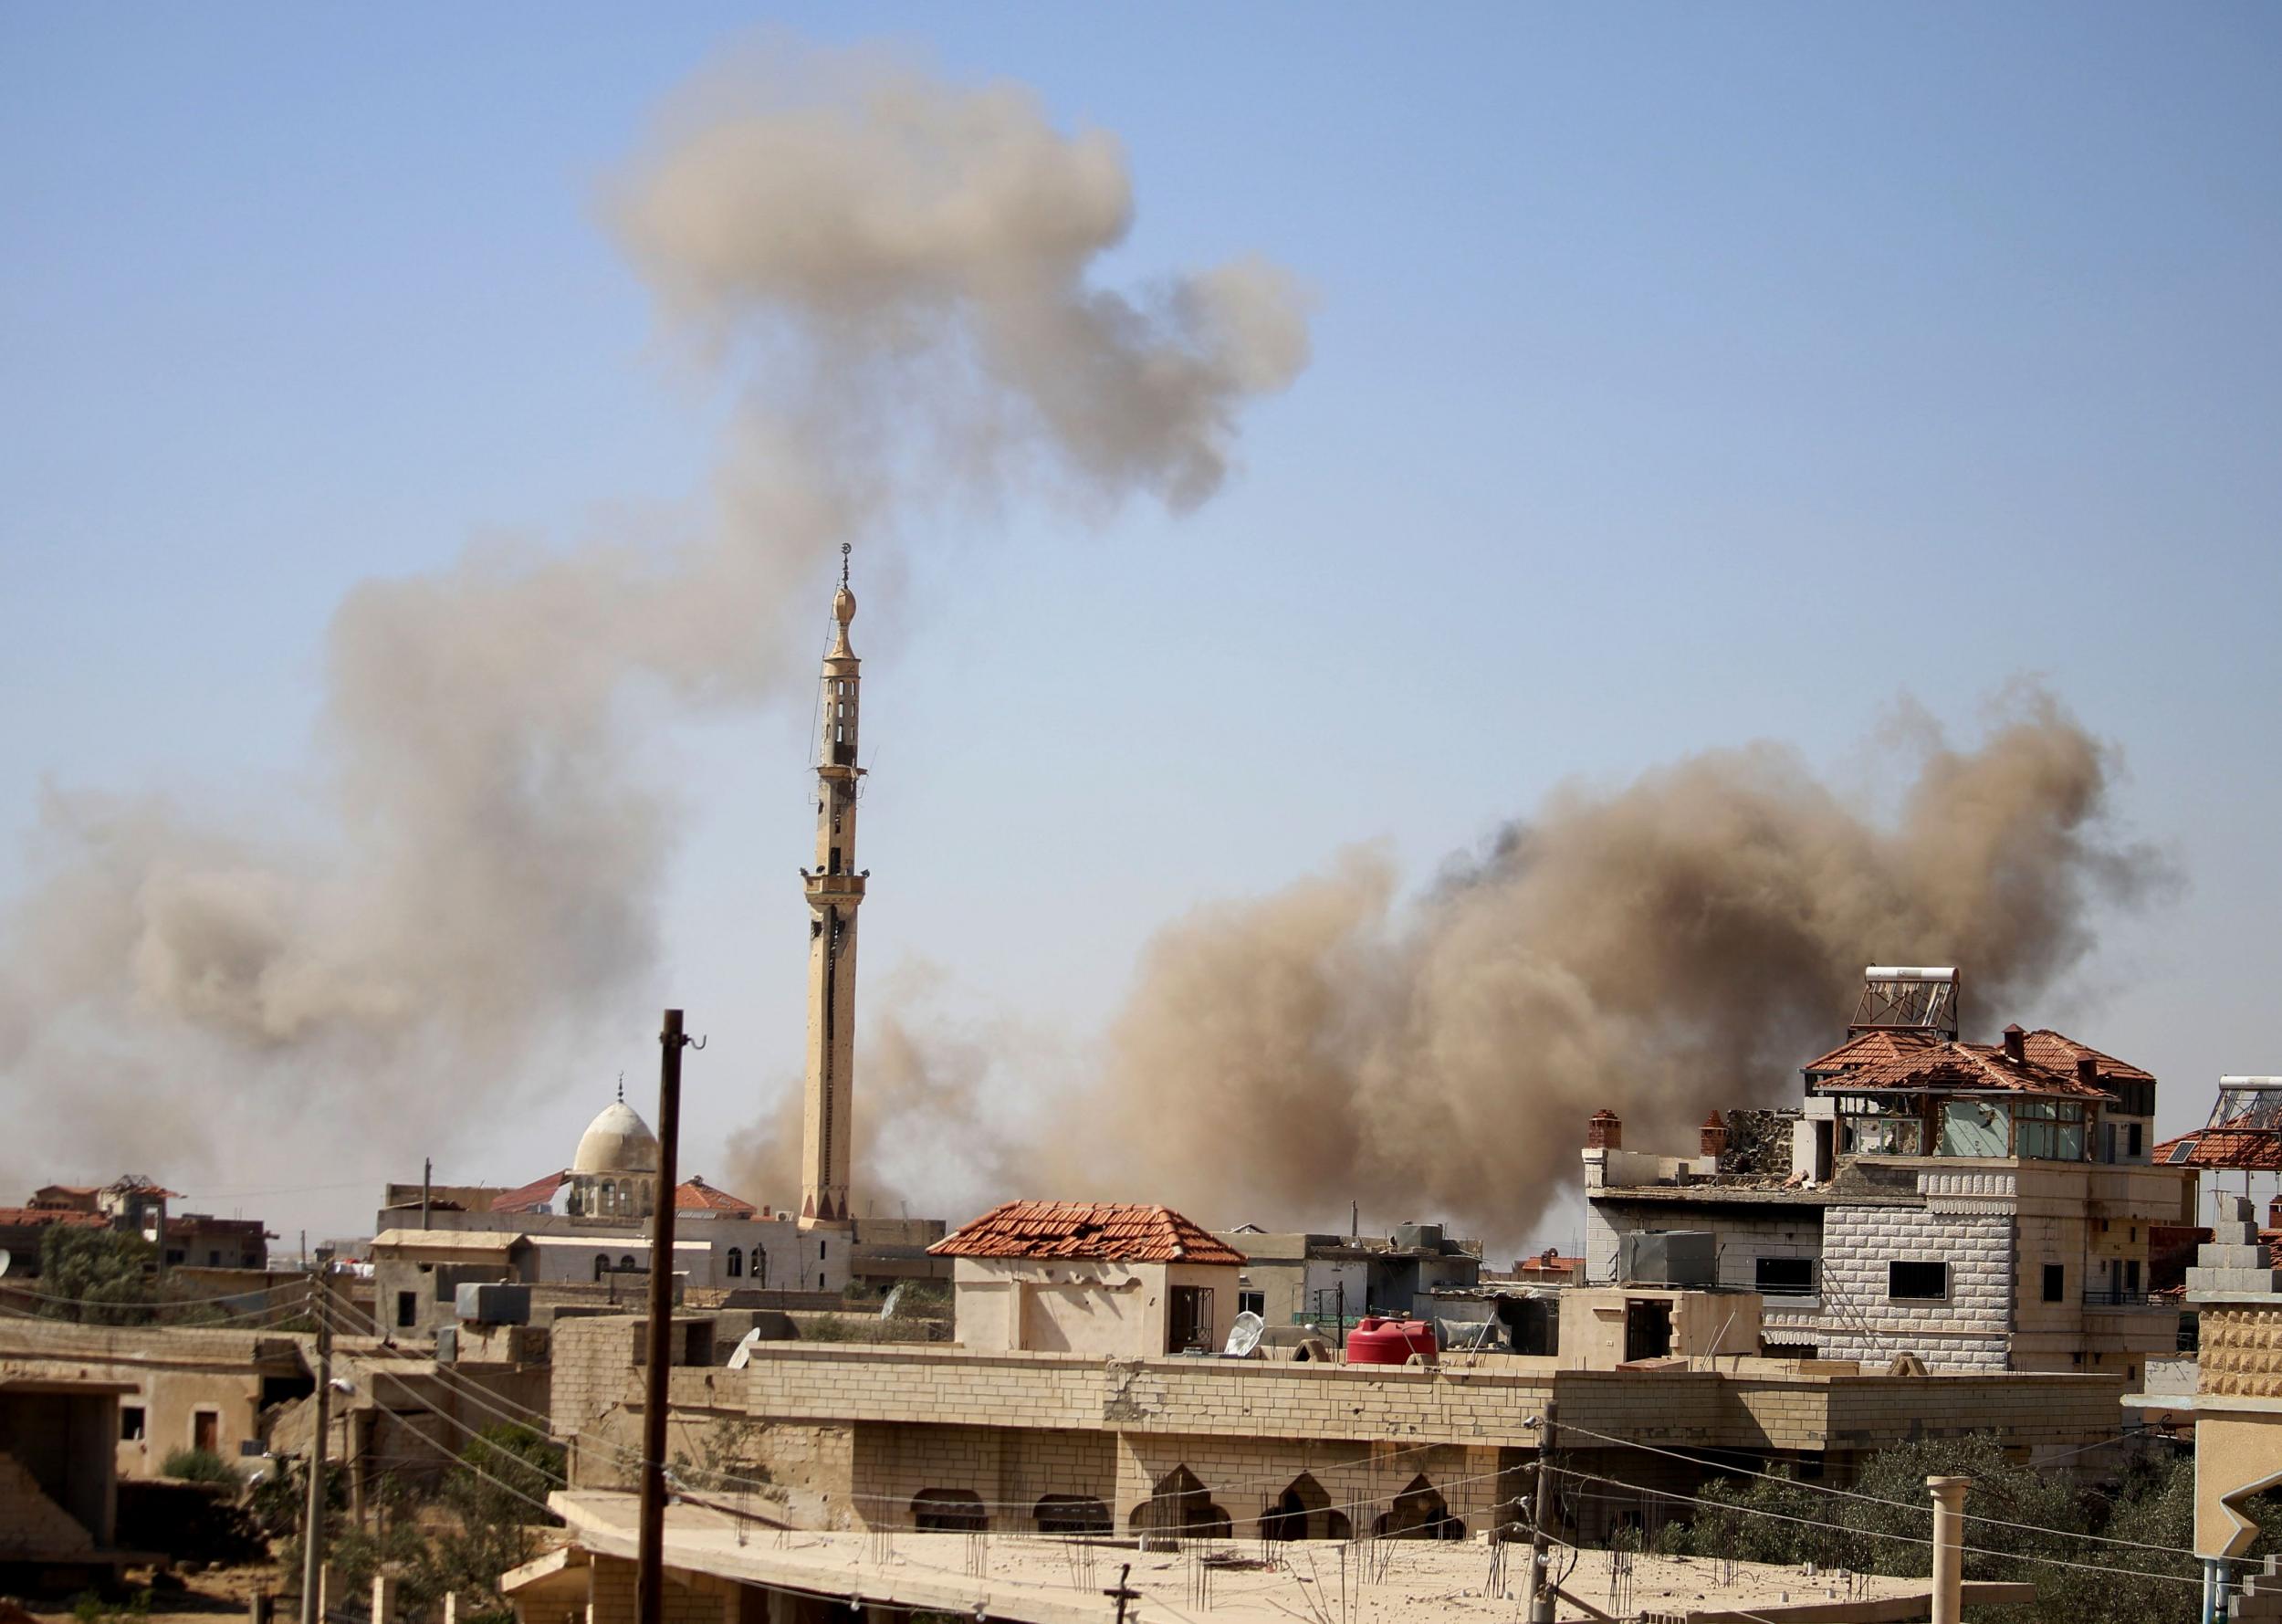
[{"x": 175, "y": 1597}]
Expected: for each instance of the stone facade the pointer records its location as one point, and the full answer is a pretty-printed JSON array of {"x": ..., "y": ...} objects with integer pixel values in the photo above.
[{"x": 1963, "y": 1329}]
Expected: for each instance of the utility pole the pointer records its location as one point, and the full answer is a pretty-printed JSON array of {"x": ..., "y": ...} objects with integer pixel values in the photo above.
[
  {"x": 1541, "y": 1592},
  {"x": 314, "y": 1517},
  {"x": 427, "y": 1173},
  {"x": 649, "y": 1578}
]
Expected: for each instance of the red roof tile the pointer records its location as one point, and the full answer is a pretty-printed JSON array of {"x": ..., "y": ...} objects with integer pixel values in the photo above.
[
  {"x": 531, "y": 1198},
  {"x": 1872, "y": 1048},
  {"x": 1943, "y": 1064},
  {"x": 695, "y": 1194},
  {"x": 2248, "y": 1149},
  {"x": 1113, "y": 1230},
  {"x": 70, "y": 1216}
]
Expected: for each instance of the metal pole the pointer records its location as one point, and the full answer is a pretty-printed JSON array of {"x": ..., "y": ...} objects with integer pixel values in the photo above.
[
  {"x": 313, "y": 1516},
  {"x": 649, "y": 1583},
  {"x": 1541, "y": 1599},
  {"x": 427, "y": 1173}
]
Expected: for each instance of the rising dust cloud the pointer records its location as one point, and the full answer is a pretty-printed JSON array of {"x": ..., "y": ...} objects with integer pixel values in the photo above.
[
  {"x": 1683, "y": 943},
  {"x": 897, "y": 274}
]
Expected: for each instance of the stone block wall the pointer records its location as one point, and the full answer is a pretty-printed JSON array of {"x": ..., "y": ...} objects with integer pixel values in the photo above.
[{"x": 1969, "y": 1330}]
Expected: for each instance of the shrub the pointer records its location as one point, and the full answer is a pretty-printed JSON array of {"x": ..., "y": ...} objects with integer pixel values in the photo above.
[{"x": 198, "y": 1466}]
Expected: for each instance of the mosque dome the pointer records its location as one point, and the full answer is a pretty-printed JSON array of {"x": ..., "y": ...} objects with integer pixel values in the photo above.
[{"x": 617, "y": 1141}]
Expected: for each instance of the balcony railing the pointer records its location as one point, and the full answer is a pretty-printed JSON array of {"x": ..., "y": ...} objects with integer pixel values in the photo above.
[{"x": 2115, "y": 1296}]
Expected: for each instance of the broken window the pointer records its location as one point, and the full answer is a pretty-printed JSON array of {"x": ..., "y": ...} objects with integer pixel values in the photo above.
[
  {"x": 129, "y": 1423},
  {"x": 1189, "y": 1325}
]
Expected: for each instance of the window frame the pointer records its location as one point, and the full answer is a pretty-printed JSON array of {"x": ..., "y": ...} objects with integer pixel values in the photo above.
[{"x": 1893, "y": 1280}]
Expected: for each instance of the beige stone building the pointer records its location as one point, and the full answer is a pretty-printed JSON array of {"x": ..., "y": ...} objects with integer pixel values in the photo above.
[
  {"x": 1981, "y": 1206},
  {"x": 1091, "y": 1277}
]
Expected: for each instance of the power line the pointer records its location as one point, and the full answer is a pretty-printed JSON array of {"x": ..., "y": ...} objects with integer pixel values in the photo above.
[
  {"x": 1867, "y": 1533},
  {"x": 1877, "y": 1500}
]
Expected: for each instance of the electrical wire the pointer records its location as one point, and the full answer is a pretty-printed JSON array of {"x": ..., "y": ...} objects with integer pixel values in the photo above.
[
  {"x": 1636, "y": 1491},
  {"x": 1878, "y": 1499},
  {"x": 163, "y": 1303}
]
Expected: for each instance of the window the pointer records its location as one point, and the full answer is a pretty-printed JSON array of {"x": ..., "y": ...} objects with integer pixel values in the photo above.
[
  {"x": 2048, "y": 1130},
  {"x": 213, "y": 1259},
  {"x": 735, "y": 1263},
  {"x": 407, "y": 1308},
  {"x": 1189, "y": 1325},
  {"x": 1252, "y": 1303},
  {"x": 2134, "y": 1146},
  {"x": 1915, "y": 1282},
  {"x": 601, "y": 1264},
  {"x": 2131, "y": 1277},
  {"x": 820, "y": 1251},
  {"x": 627, "y": 1263},
  {"x": 205, "y": 1431},
  {"x": 1785, "y": 1276},
  {"x": 129, "y": 1423},
  {"x": 2056, "y": 1283}
]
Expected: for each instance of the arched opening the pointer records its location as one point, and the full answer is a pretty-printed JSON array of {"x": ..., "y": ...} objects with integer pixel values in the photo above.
[
  {"x": 1419, "y": 1511},
  {"x": 1179, "y": 1506},
  {"x": 761, "y": 1268},
  {"x": 948, "y": 1511},
  {"x": 601, "y": 1264},
  {"x": 735, "y": 1263},
  {"x": 1302, "y": 1512},
  {"x": 1072, "y": 1513},
  {"x": 627, "y": 1263}
]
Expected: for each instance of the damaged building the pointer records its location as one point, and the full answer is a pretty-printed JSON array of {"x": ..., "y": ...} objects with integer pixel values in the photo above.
[{"x": 1978, "y": 1206}]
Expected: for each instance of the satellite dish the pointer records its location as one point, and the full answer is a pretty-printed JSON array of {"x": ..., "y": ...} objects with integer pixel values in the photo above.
[
  {"x": 1243, "y": 1336},
  {"x": 3, "y": 1260},
  {"x": 744, "y": 1353}
]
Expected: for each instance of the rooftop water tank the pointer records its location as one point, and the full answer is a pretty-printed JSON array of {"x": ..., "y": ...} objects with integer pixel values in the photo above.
[{"x": 1375, "y": 1341}]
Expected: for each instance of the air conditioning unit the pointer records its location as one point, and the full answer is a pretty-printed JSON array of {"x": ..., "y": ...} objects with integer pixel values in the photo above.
[
  {"x": 493, "y": 1302},
  {"x": 1668, "y": 1258}
]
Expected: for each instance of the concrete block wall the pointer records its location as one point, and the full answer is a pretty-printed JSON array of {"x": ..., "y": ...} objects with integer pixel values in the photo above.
[
  {"x": 1969, "y": 1330},
  {"x": 1008, "y": 1469},
  {"x": 612, "y": 1587}
]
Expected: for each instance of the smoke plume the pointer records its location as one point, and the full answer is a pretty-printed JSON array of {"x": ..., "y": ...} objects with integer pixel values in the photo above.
[
  {"x": 1680, "y": 943},
  {"x": 900, "y": 276}
]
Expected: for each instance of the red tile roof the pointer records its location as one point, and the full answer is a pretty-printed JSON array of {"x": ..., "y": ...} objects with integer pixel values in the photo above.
[
  {"x": 2222, "y": 1148},
  {"x": 1943, "y": 1064},
  {"x": 1872, "y": 1048},
  {"x": 2046, "y": 1051},
  {"x": 531, "y": 1198},
  {"x": 70, "y": 1216},
  {"x": 1113, "y": 1230},
  {"x": 695, "y": 1194}
]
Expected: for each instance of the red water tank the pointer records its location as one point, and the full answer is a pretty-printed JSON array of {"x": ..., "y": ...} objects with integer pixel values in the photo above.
[{"x": 1375, "y": 1341}]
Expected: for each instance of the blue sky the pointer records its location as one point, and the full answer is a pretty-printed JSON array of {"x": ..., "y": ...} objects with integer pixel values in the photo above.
[{"x": 1682, "y": 376}]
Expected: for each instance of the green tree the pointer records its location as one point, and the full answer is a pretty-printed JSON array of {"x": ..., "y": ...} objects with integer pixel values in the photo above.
[{"x": 101, "y": 1277}]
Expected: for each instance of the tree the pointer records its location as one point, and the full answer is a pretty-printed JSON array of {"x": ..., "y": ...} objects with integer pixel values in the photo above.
[{"x": 99, "y": 1276}]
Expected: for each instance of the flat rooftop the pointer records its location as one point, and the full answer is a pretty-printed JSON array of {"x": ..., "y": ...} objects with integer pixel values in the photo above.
[{"x": 1049, "y": 1580}]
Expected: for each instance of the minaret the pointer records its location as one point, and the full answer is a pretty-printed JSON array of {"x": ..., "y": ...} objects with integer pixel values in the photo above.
[{"x": 835, "y": 890}]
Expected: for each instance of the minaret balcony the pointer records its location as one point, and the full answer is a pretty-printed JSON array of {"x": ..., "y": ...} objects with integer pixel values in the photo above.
[{"x": 824, "y": 890}]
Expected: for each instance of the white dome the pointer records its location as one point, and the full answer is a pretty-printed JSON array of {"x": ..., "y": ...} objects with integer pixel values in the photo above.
[{"x": 617, "y": 1141}]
